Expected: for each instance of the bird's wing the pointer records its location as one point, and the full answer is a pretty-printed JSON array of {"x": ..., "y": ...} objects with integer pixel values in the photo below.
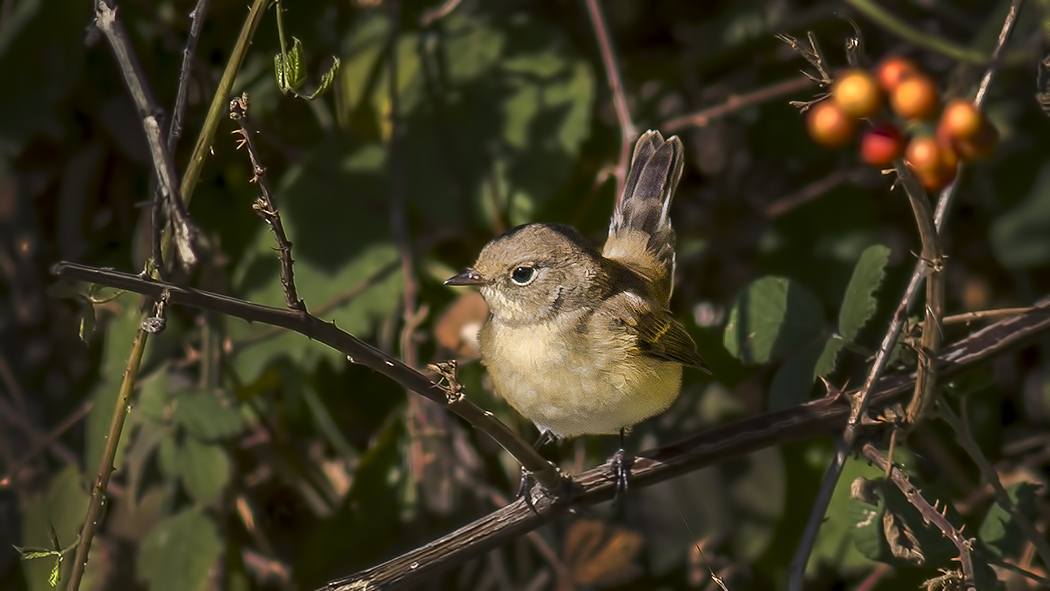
[{"x": 655, "y": 332}]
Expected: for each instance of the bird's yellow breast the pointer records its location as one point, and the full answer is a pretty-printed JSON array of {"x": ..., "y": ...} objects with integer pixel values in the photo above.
[{"x": 573, "y": 379}]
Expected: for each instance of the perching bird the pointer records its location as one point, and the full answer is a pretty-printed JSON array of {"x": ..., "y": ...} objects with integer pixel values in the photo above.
[{"x": 580, "y": 341}]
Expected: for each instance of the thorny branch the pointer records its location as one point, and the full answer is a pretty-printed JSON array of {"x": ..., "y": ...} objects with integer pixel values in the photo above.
[
  {"x": 930, "y": 514},
  {"x": 889, "y": 340},
  {"x": 264, "y": 205}
]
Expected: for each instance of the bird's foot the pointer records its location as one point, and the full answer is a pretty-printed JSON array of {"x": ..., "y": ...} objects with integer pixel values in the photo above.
[
  {"x": 562, "y": 494},
  {"x": 620, "y": 466}
]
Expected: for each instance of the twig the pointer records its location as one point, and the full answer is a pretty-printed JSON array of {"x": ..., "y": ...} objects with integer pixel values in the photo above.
[
  {"x": 926, "y": 375},
  {"x": 40, "y": 440},
  {"x": 962, "y": 434},
  {"x": 189, "y": 181},
  {"x": 931, "y": 515},
  {"x": 810, "y": 192},
  {"x": 264, "y": 205},
  {"x": 889, "y": 340},
  {"x": 356, "y": 350},
  {"x": 968, "y": 317},
  {"x": 612, "y": 73},
  {"x": 175, "y": 129},
  {"x": 196, "y": 22},
  {"x": 720, "y": 444},
  {"x": 736, "y": 102},
  {"x": 106, "y": 467},
  {"x": 420, "y": 419},
  {"x": 885, "y": 19},
  {"x": 219, "y": 109},
  {"x": 184, "y": 230}
]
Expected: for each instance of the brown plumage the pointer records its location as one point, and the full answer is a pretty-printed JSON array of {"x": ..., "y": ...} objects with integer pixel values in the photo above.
[{"x": 581, "y": 341}]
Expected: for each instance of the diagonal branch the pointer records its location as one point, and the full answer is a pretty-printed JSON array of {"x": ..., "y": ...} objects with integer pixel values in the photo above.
[
  {"x": 805, "y": 421},
  {"x": 355, "y": 349},
  {"x": 184, "y": 230}
]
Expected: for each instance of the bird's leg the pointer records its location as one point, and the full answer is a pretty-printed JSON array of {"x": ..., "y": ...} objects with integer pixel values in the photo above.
[
  {"x": 525, "y": 486},
  {"x": 620, "y": 465}
]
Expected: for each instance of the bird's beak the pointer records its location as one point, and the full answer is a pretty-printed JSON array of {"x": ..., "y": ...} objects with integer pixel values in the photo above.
[{"x": 467, "y": 277}]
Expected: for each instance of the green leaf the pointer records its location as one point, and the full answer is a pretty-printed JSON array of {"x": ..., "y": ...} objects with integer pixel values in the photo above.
[
  {"x": 295, "y": 70},
  {"x": 180, "y": 552},
  {"x": 859, "y": 303},
  {"x": 207, "y": 416},
  {"x": 826, "y": 363},
  {"x": 205, "y": 470},
  {"x": 999, "y": 531},
  {"x": 327, "y": 78},
  {"x": 771, "y": 318},
  {"x": 55, "y": 518}
]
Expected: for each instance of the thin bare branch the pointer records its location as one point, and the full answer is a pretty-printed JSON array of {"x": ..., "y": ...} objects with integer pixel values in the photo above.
[
  {"x": 628, "y": 132},
  {"x": 184, "y": 230}
]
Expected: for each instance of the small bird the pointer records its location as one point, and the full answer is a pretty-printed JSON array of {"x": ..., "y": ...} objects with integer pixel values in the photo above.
[{"x": 580, "y": 341}]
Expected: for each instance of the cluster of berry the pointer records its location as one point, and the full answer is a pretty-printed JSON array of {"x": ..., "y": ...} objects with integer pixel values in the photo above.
[{"x": 931, "y": 147}]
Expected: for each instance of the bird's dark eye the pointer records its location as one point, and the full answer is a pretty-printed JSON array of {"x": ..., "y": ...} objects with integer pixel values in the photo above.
[{"x": 523, "y": 275}]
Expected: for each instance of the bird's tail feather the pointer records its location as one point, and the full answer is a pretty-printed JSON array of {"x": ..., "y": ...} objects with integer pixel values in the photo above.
[{"x": 640, "y": 234}]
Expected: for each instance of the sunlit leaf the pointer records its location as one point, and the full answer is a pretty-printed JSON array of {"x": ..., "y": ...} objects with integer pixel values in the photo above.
[{"x": 859, "y": 303}]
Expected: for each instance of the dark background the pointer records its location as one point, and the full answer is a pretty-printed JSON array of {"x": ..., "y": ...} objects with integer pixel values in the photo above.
[{"x": 254, "y": 459}]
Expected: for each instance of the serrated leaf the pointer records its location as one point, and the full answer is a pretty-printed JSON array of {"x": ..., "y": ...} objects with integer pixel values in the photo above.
[
  {"x": 207, "y": 416},
  {"x": 278, "y": 72},
  {"x": 205, "y": 470},
  {"x": 328, "y": 77},
  {"x": 772, "y": 317},
  {"x": 294, "y": 66},
  {"x": 826, "y": 363},
  {"x": 180, "y": 552},
  {"x": 999, "y": 531},
  {"x": 859, "y": 303}
]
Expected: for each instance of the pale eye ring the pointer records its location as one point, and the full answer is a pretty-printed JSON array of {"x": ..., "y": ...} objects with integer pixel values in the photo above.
[{"x": 523, "y": 275}]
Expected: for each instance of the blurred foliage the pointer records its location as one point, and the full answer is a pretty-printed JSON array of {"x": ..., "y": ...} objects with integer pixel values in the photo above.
[{"x": 258, "y": 459}]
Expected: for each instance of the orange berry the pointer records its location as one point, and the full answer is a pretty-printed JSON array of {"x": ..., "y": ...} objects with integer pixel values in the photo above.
[
  {"x": 923, "y": 153},
  {"x": 857, "y": 93},
  {"x": 934, "y": 164},
  {"x": 915, "y": 97},
  {"x": 979, "y": 146},
  {"x": 960, "y": 120},
  {"x": 829, "y": 125},
  {"x": 893, "y": 70},
  {"x": 881, "y": 145},
  {"x": 935, "y": 180}
]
